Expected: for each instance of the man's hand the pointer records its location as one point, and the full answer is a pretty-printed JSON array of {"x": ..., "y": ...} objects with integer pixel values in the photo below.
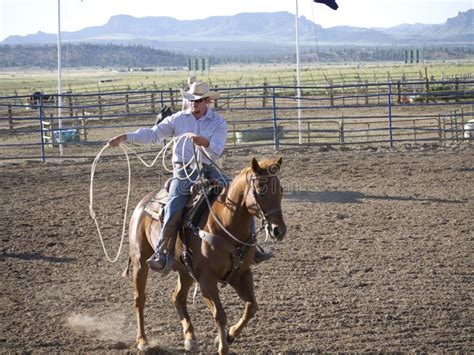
[
  {"x": 199, "y": 140},
  {"x": 115, "y": 142}
]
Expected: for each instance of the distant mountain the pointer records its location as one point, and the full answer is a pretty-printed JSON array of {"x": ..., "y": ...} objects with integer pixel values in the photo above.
[
  {"x": 455, "y": 30},
  {"x": 265, "y": 28}
]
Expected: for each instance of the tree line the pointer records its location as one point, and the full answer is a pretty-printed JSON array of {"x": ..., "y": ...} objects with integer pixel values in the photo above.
[
  {"x": 115, "y": 55},
  {"x": 88, "y": 55}
]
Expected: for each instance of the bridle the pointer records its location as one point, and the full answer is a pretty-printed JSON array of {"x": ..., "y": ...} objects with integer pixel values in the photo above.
[{"x": 260, "y": 213}]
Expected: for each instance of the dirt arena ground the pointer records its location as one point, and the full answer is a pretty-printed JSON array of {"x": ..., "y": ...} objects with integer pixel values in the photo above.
[{"x": 378, "y": 257}]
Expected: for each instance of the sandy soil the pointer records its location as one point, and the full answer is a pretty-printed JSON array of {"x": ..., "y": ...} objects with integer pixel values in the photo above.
[{"x": 378, "y": 257}]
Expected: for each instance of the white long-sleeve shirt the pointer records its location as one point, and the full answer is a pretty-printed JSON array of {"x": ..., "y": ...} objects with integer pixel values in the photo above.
[{"x": 211, "y": 126}]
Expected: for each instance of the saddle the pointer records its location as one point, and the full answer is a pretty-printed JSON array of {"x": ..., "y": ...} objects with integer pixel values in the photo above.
[{"x": 195, "y": 206}]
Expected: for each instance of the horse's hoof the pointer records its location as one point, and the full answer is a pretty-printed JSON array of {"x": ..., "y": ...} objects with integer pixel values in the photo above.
[
  {"x": 142, "y": 344},
  {"x": 190, "y": 345},
  {"x": 230, "y": 340}
]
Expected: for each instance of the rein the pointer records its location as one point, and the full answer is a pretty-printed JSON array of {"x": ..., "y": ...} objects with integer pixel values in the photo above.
[
  {"x": 197, "y": 229},
  {"x": 264, "y": 215}
]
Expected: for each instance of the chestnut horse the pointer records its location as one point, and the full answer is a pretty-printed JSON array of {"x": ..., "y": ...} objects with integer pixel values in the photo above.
[{"x": 256, "y": 191}]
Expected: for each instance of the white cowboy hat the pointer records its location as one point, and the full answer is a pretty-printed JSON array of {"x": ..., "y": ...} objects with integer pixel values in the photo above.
[{"x": 199, "y": 90}]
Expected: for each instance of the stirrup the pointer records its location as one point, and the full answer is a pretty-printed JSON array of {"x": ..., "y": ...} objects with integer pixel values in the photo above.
[{"x": 161, "y": 262}]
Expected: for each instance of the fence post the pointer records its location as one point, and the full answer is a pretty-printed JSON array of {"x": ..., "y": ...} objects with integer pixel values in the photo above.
[
  {"x": 440, "y": 135},
  {"x": 456, "y": 131},
  {"x": 341, "y": 130},
  {"x": 414, "y": 130},
  {"x": 101, "y": 110},
  {"x": 456, "y": 88},
  {"x": 427, "y": 88},
  {"x": 331, "y": 93},
  {"x": 40, "y": 114},
  {"x": 452, "y": 114},
  {"x": 357, "y": 89},
  {"x": 153, "y": 109},
  {"x": 10, "y": 117},
  {"x": 71, "y": 111},
  {"x": 366, "y": 92},
  {"x": 171, "y": 97},
  {"x": 399, "y": 92},
  {"x": 215, "y": 100},
  {"x": 343, "y": 89},
  {"x": 84, "y": 129},
  {"x": 265, "y": 93},
  {"x": 275, "y": 126},
  {"x": 378, "y": 92},
  {"x": 161, "y": 99},
  {"x": 390, "y": 114},
  {"x": 234, "y": 135},
  {"x": 245, "y": 96},
  {"x": 127, "y": 104}
]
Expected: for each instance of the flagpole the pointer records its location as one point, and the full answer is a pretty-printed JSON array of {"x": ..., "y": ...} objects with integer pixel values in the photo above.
[
  {"x": 59, "y": 114},
  {"x": 298, "y": 84}
]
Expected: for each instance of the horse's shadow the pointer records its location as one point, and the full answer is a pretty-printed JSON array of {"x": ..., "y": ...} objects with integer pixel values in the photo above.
[
  {"x": 35, "y": 257},
  {"x": 356, "y": 197}
]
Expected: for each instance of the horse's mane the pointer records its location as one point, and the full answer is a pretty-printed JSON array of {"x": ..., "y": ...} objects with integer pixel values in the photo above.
[{"x": 264, "y": 165}]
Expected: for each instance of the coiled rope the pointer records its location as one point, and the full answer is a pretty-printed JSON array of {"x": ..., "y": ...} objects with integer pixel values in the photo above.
[{"x": 125, "y": 148}]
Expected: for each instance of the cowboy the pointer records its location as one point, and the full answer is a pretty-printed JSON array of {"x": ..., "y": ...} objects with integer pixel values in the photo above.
[{"x": 198, "y": 124}]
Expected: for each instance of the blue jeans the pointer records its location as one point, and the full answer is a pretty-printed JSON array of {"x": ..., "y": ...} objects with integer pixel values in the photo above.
[{"x": 179, "y": 192}]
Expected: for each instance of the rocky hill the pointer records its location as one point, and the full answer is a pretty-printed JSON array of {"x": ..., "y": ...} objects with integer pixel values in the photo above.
[{"x": 263, "y": 28}]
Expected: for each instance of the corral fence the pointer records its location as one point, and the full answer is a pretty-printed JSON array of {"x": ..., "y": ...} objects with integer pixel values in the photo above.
[{"x": 360, "y": 113}]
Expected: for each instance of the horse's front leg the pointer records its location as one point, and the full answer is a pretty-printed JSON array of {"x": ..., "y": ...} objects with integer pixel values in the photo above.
[
  {"x": 211, "y": 297},
  {"x": 245, "y": 289},
  {"x": 180, "y": 296}
]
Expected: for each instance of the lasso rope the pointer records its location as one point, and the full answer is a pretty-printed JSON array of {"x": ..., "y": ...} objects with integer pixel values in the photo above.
[
  {"x": 125, "y": 147},
  {"x": 91, "y": 202}
]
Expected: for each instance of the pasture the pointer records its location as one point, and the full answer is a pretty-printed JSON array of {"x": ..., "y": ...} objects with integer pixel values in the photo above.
[
  {"x": 378, "y": 257},
  {"x": 86, "y": 80},
  {"x": 340, "y": 106}
]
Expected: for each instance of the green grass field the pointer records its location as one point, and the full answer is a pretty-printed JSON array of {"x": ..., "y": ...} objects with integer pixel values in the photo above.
[{"x": 26, "y": 81}]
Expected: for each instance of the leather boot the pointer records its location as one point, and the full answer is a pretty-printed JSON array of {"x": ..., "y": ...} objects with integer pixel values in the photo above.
[
  {"x": 261, "y": 255},
  {"x": 161, "y": 262},
  {"x": 163, "y": 257}
]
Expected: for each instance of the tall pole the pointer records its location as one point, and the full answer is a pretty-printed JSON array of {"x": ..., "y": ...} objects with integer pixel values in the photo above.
[
  {"x": 298, "y": 91},
  {"x": 60, "y": 101}
]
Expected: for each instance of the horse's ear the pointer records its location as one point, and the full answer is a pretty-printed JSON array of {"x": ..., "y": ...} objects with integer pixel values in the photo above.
[
  {"x": 274, "y": 168},
  {"x": 280, "y": 161},
  {"x": 254, "y": 165}
]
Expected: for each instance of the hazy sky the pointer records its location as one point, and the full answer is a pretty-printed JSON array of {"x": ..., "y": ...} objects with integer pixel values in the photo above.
[{"x": 20, "y": 17}]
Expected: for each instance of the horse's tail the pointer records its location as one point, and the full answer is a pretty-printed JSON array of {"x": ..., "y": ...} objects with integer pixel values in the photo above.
[{"x": 127, "y": 269}]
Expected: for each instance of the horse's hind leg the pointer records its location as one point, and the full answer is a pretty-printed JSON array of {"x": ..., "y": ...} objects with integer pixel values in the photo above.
[
  {"x": 211, "y": 297},
  {"x": 180, "y": 296},
  {"x": 245, "y": 289},
  {"x": 140, "y": 274}
]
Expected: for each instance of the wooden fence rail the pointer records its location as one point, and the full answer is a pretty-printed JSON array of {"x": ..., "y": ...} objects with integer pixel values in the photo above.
[{"x": 359, "y": 113}]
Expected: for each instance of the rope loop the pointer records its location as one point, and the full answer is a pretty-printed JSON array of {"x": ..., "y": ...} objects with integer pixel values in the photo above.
[{"x": 196, "y": 160}]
